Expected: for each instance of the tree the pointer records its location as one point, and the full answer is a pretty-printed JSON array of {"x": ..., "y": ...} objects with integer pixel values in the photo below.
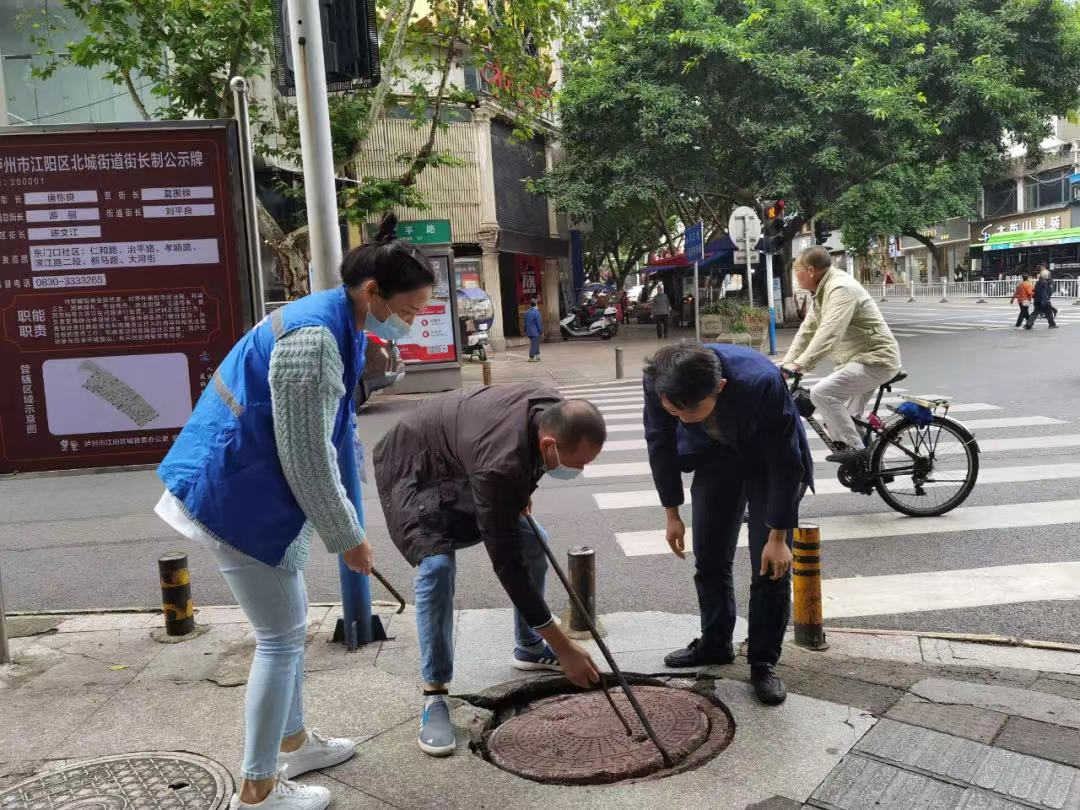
[
  {"x": 175, "y": 58},
  {"x": 725, "y": 101}
]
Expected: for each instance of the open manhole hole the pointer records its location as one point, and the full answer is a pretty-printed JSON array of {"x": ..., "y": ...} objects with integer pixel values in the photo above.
[
  {"x": 549, "y": 732},
  {"x": 163, "y": 780}
]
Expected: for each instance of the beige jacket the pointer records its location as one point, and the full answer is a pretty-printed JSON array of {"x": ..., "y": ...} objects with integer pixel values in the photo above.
[{"x": 846, "y": 324}]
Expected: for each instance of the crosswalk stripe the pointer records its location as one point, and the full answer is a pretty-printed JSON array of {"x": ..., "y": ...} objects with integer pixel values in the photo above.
[
  {"x": 585, "y": 387},
  {"x": 629, "y": 416},
  {"x": 892, "y": 524},
  {"x": 617, "y": 470},
  {"x": 950, "y": 590},
  {"x": 635, "y": 499},
  {"x": 604, "y": 392}
]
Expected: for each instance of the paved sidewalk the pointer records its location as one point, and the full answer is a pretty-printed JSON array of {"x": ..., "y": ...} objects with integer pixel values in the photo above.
[{"x": 885, "y": 720}]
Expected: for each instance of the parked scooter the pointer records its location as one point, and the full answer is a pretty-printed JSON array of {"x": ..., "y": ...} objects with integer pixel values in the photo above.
[
  {"x": 476, "y": 314},
  {"x": 602, "y": 324}
]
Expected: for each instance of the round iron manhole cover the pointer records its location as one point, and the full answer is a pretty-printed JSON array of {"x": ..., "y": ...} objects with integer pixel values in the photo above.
[
  {"x": 577, "y": 739},
  {"x": 165, "y": 780}
]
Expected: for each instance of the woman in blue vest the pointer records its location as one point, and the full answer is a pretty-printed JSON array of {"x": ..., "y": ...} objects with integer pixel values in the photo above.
[{"x": 266, "y": 459}]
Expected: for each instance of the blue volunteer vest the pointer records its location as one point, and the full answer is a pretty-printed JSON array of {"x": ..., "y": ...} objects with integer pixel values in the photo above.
[{"x": 224, "y": 466}]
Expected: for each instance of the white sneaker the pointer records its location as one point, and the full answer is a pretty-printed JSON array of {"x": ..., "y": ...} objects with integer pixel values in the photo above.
[
  {"x": 287, "y": 795},
  {"x": 316, "y": 753}
]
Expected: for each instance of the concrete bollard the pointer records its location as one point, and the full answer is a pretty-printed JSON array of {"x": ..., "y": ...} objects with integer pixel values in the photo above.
[
  {"x": 982, "y": 292},
  {"x": 911, "y": 297},
  {"x": 176, "y": 604},
  {"x": 944, "y": 292},
  {"x": 582, "y": 564},
  {"x": 5, "y": 653},
  {"x": 806, "y": 581},
  {"x": 486, "y": 367},
  {"x": 619, "y": 363}
]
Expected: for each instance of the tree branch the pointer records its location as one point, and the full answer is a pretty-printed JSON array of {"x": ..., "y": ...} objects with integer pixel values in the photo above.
[
  {"x": 379, "y": 99},
  {"x": 134, "y": 93}
]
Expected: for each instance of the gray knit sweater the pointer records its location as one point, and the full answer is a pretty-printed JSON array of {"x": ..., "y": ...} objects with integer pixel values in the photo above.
[{"x": 306, "y": 389}]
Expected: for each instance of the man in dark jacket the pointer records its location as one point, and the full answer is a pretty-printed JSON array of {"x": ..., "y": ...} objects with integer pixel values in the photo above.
[
  {"x": 725, "y": 413},
  {"x": 1044, "y": 289},
  {"x": 460, "y": 470}
]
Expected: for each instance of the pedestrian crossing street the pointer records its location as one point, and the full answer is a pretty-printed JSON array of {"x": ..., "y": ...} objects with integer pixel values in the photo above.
[
  {"x": 621, "y": 487},
  {"x": 928, "y": 319}
]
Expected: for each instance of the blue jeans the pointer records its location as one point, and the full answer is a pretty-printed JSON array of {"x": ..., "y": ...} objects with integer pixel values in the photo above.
[
  {"x": 534, "y": 346},
  {"x": 435, "y": 607},
  {"x": 275, "y": 602}
]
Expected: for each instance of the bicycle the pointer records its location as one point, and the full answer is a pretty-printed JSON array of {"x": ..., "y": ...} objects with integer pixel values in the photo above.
[{"x": 905, "y": 448}]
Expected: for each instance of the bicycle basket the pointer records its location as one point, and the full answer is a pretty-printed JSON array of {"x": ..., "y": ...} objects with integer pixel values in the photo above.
[
  {"x": 802, "y": 403},
  {"x": 919, "y": 414}
]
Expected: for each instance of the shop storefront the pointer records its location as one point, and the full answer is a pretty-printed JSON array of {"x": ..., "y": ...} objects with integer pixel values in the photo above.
[{"x": 1011, "y": 247}]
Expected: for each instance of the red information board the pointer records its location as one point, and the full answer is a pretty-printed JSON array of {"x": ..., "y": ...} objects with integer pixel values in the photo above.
[
  {"x": 431, "y": 339},
  {"x": 123, "y": 283}
]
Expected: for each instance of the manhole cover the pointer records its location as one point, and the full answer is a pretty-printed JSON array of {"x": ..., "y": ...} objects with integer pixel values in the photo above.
[
  {"x": 167, "y": 780},
  {"x": 577, "y": 739}
]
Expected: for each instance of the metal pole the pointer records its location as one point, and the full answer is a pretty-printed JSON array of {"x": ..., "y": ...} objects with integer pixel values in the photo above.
[
  {"x": 668, "y": 761},
  {"x": 581, "y": 562},
  {"x": 697, "y": 305},
  {"x": 619, "y": 372},
  {"x": 806, "y": 576},
  {"x": 772, "y": 302},
  {"x": 749, "y": 272},
  {"x": 982, "y": 291},
  {"x": 5, "y": 653},
  {"x": 313, "y": 114},
  {"x": 251, "y": 219},
  {"x": 486, "y": 369},
  {"x": 944, "y": 290},
  {"x": 176, "y": 604},
  {"x": 912, "y": 296}
]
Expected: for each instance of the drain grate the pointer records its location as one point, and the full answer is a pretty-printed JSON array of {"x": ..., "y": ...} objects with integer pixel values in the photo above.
[
  {"x": 164, "y": 780},
  {"x": 577, "y": 739}
]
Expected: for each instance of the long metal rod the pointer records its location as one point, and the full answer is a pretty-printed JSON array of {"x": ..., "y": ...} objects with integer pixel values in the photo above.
[
  {"x": 668, "y": 761},
  {"x": 393, "y": 591},
  {"x": 614, "y": 708},
  {"x": 5, "y": 653},
  {"x": 247, "y": 165}
]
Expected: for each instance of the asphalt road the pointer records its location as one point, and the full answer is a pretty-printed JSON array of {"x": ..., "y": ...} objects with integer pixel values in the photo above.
[{"x": 91, "y": 540}]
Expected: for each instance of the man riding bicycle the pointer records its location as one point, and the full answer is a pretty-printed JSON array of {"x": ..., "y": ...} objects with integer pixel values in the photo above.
[{"x": 845, "y": 323}]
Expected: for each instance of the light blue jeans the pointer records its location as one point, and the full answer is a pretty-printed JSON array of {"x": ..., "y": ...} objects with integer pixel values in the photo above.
[
  {"x": 434, "y": 587},
  {"x": 275, "y": 602}
]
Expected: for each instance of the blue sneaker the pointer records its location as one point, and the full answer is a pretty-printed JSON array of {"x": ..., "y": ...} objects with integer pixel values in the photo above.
[
  {"x": 436, "y": 731},
  {"x": 536, "y": 661}
]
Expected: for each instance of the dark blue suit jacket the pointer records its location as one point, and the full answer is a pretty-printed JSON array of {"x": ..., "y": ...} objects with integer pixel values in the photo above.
[{"x": 764, "y": 435}]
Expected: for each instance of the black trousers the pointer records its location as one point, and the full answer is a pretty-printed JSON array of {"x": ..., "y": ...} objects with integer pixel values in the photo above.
[
  {"x": 661, "y": 325},
  {"x": 1048, "y": 312},
  {"x": 1021, "y": 319},
  {"x": 720, "y": 495}
]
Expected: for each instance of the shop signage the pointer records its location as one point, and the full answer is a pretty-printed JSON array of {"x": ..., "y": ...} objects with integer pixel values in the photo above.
[
  {"x": 122, "y": 287},
  {"x": 419, "y": 231},
  {"x": 431, "y": 339},
  {"x": 1036, "y": 223}
]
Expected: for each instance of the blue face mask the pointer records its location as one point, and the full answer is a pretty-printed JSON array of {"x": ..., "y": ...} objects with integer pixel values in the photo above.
[
  {"x": 393, "y": 328},
  {"x": 560, "y": 472}
]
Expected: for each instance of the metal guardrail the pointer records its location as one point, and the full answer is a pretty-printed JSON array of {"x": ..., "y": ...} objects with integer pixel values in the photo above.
[{"x": 1068, "y": 288}]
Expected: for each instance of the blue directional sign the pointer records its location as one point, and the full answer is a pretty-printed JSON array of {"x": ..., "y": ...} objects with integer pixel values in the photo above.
[{"x": 695, "y": 243}]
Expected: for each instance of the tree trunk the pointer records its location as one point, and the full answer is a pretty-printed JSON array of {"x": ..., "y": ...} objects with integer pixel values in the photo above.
[
  {"x": 932, "y": 249},
  {"x": 290, "y": 254}
]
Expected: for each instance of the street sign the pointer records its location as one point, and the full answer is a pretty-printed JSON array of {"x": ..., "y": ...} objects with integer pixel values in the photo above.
[
  {"x": 740, "y": 256},
  {"x": 695, "y": 243},
  {"x": 419, "y": 231},
  {"x": 744, "y": 225}
]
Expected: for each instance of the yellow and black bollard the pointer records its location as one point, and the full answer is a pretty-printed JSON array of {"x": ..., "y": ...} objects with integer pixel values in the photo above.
[
  {"x": 806, "y": 581},
  {"x": 486, "y": 371},
  {"x": 176, "y": 602}
]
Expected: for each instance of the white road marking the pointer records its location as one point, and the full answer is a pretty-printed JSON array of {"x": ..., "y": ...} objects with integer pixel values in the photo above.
[
  {"x": 950, "y": 590},
  {"x": 587, "y": 386},
  {"x": 891, "y": 524},
  {"x": 635, "y": 499}
]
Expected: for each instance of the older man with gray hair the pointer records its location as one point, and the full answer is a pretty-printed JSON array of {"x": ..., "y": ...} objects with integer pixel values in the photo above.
[{"x": 846, "y": 324}]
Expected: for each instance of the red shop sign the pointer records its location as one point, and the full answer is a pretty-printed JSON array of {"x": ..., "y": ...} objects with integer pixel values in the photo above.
[{"x": 122, "y": 286}]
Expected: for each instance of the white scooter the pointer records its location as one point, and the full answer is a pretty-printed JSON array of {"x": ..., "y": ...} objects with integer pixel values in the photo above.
[{"x": 604, "y": 325}]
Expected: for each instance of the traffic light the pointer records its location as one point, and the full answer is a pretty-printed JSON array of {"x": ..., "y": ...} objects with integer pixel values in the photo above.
[
  {"x": 350, "y": 45},
  {"x": 822, "y": 231},
  {"x": 772, "y": 225}
]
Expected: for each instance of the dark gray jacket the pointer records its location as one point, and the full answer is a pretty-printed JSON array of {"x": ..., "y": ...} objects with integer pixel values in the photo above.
[{"x": 459, "y": 470}]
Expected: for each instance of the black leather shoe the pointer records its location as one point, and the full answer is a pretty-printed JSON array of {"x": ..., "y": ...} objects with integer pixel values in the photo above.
[
  {"x": 845, "y": 454},
  {"x": 696, "y": 654},
  {"x": 767, "y": 685}
]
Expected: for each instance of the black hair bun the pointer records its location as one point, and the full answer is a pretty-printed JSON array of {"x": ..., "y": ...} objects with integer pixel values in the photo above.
[{"x": 387, "y": 227}]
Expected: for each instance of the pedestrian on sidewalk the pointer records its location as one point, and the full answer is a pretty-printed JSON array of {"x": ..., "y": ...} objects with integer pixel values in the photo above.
[
  {"x": 460, "y": 470},
  {"x": 844, "y": 322},
  {"x": 1024, "y": 295},
  {"x": 725, "y": 413},
  {"x": 265, "y": 459},
  {"x": 661, "y": 311},
  {"x": 534, "y": 330},
  {"x": 1044, "y": 290}
]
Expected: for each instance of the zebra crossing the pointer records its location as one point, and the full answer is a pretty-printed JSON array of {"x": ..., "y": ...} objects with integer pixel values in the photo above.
[
  {"x": 926, "y": 319},
  {"x": 621, "y": 489}
]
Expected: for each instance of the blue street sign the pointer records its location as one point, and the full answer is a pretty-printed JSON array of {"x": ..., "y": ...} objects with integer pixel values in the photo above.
[{"x": 695, "y": 243}]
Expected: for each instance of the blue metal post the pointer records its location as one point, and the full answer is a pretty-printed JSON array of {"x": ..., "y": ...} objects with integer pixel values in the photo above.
[
  {"x": 772, "y": 303},
  {"x": 772, "y": 330},
  {"x": 355, "y": 587}
]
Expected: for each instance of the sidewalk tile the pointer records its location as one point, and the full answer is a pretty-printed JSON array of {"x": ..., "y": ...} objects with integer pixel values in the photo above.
[
  {"x": 1021, "y": 702},
  {"x": 344, "y": 797},
  {"x": 12, "y": 773},
  {"x": 963, "y": 721},
  {"x": 847, "y": 691},
  {"x": 900, "y": 648},
  {"x": 1043, "y": 740},
  {"x": 359, "y": 704},
  {"x": 91, "y": 622},
  {"x": 859, "y": 783},
  {"x": 226, "y": 614},
  {"x": 896, "y": 674},
  {"x": 36, "y": 721},
  {"x": 198, "y": 659},
  {"x": 944, "y": 651},
  {"x": 1058, "y": 686},
  {"x": 102, "y": 657}
]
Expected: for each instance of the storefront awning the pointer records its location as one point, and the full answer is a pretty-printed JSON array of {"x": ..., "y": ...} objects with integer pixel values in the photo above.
[
  {"x": 718, "y": 254},
  {"x": 1027, "y": 239}
]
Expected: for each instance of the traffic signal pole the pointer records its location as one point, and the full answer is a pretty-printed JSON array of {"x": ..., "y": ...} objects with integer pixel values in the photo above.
[
  {"x": 324, "y": 237},
  {"x": 749, "y": 272},
  {"x": 772, "y": 303}
]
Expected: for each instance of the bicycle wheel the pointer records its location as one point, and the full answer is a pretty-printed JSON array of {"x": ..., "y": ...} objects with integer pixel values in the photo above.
[{"x": 925, "y": 471}]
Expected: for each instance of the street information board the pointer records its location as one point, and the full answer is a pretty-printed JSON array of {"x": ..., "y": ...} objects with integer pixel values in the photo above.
[
  {"x": 431, "y": 339},
  {"x": 122, "y": 286}
]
